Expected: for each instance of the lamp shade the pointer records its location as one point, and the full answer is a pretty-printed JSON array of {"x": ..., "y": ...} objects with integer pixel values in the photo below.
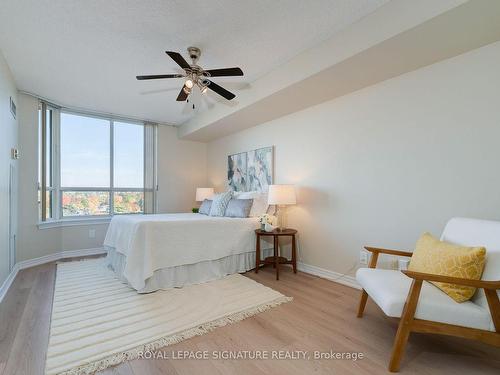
[
  {"x": 281, "y": 195},
  {"x": 204, "y": 193}
]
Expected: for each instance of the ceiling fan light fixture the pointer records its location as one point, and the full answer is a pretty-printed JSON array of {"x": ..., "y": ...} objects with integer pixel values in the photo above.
[
  {"x": 202, "y": 86},
  {"x": 187, "y": 90},
  {"x": 189, "y": 83}
]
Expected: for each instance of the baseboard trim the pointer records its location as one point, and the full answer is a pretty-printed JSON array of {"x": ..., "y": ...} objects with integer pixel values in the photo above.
[
  {"x": 8, "y": 281},
  {"x": 42, "y": 260},
  {"x": 329, "y": 275}
]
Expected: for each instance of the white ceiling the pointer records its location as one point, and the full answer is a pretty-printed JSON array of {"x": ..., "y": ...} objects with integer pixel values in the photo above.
[
  {"x": 413, "y": 42},
  {"x": 86, "y": 54}
]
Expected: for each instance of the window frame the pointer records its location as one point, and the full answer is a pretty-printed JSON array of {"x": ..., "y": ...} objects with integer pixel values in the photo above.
[
  {"x": 58, "y": 218},
  {"x": 43, "y": 187}
]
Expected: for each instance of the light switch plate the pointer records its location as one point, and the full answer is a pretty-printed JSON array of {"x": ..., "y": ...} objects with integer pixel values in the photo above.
[
  {"x": 14, "y": 153},
  {"x": 363, "y": 257}
]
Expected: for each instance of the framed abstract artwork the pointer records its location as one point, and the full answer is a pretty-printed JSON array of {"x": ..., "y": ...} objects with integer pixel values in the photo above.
[
  {"x": 260, "y": 169},
  {"x": 251, "y": 170},
  {"x": 237, "y": 171}
]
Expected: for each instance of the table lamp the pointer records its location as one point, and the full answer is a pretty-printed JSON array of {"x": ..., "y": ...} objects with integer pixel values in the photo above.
[
  {"x": 204, "y": 193},
  {"x": 281, "y": 196}
]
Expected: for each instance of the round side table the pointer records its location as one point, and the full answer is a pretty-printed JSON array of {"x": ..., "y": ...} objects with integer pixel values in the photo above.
[{"x": 276, "y": 259}]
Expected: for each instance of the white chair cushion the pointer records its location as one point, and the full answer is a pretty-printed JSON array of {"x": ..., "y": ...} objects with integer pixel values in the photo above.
[
  {"x": 476, "y": 232},
  {"x": 389, "y": 289}
]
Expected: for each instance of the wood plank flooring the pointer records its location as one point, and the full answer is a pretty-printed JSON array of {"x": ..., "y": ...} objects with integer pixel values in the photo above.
[{"x": 322, "y": 317}]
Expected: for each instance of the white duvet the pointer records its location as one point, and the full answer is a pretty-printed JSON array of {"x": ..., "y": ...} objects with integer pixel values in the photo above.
[{"x": 152, "y": 242}]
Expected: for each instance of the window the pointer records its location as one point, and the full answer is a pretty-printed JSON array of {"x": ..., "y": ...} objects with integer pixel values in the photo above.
[
  {"x": 128, "y": 165},
  {"x": 98, "y": 165},
  {"x": 85, "y": 165}
]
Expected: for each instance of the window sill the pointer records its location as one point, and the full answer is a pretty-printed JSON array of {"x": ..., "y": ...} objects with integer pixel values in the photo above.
[{"x": 73, "y": 222}]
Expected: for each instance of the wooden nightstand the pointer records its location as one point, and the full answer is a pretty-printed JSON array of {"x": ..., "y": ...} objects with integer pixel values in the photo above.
[{"x": 276, "y": 260}]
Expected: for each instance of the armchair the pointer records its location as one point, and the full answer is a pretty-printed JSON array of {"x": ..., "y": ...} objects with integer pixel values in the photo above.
[{"x": 424, "y": 308}]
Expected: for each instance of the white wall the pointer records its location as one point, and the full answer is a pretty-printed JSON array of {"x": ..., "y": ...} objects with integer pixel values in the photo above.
[
  {"x": 181, "y": 168},
  {"x": 386, "y": 163},
  {"x": 8, "y": 140}
]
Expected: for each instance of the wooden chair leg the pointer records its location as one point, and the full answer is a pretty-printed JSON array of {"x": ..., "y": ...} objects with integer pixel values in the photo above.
[
  {"x": 404, "y": 327},
  {"x": 362, "y": 303},
  {"x": 364, "y": 295},
  {"x": 494, "y": 305}
]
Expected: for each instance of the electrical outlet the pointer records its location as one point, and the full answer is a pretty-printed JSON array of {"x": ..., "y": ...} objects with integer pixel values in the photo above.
[
  {"x": 91, "y": 233},
  {"x": 363, "y": 258},
  {"x": 403, "y": 264},
  {"x": 395, "y": 264}
]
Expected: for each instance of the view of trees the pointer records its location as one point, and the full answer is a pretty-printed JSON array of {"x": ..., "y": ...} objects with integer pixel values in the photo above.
[
  {"x": 129, "y": 202},
  {"x": 97, "y": 203}
]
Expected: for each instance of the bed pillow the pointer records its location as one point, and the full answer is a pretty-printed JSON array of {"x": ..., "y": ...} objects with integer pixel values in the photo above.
[
  {"x": 239, "y": 208},
  {"x": 259, "y": 206},
  {"x": 205, "y": 207},
  {"x": 219, "y": 203}
]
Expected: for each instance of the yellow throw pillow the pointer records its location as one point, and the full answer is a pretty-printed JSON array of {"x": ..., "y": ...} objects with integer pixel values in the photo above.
[{"x": 443, "y": 258}]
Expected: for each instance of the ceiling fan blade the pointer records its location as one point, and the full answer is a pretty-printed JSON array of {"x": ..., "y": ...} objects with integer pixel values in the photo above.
[
  {"x": 225, "y": 72},
  {"x": 219, "y": 89},
  {"x": 159, "y": 76},
  {"x": 182, "y": 95},
  {"x": 177, "y": 57}
]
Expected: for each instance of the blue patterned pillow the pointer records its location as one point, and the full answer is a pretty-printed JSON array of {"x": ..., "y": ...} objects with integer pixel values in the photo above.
[
  {"x": 219, "y": 203},
  {"x": 239, "y": 208},
  {"x": 205, "y": 207}
]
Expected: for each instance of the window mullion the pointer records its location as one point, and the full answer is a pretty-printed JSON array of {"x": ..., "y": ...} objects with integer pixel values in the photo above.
[
  {"x": 85, "y": 188},
  {"x": 56, "y": 163},
  {"x": 111, "y": 168},
  {"x": 43, "y": 144}
]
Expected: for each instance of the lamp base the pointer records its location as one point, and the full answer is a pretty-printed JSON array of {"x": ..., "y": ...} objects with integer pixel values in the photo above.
[{"x": 280, "y": 213}]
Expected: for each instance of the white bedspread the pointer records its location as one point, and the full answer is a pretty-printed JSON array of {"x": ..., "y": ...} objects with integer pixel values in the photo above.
[{"x": 152, "y": 242}]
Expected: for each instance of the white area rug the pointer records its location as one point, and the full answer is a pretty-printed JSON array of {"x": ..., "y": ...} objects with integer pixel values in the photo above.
[{"x": 98, "y": 322}]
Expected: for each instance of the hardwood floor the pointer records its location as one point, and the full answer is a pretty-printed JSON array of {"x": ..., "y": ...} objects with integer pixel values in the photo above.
[{"x": 322, "y": 317}]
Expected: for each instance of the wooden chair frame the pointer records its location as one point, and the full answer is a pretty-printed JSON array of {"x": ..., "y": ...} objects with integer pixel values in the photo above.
[{"x": 408, "y": 323}]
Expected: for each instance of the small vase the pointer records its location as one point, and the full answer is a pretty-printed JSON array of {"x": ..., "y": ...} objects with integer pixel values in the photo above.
[
  {"x": 269, "y": 228},
  {"x": 262, "y": 226}
]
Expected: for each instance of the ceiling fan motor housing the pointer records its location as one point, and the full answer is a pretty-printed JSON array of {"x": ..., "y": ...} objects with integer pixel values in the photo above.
[{"x": 194, "y": 53}]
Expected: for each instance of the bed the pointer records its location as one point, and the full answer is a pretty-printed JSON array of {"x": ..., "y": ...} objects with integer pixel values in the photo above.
[{"x": 160, "y": 251}]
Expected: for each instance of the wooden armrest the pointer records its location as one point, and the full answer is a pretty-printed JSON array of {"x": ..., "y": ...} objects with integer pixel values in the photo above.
[
  {"x": 376, "y": 251},
  {"x": 492, "y": 285},
  {"x": 390, "y": 252}
]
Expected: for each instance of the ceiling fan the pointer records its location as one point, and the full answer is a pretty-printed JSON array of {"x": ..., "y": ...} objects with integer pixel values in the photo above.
[{"x": 195, "y": 75}]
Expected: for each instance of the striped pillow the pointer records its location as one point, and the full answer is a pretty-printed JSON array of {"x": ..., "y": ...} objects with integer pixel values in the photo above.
[{"x": 219, "y": 203}]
